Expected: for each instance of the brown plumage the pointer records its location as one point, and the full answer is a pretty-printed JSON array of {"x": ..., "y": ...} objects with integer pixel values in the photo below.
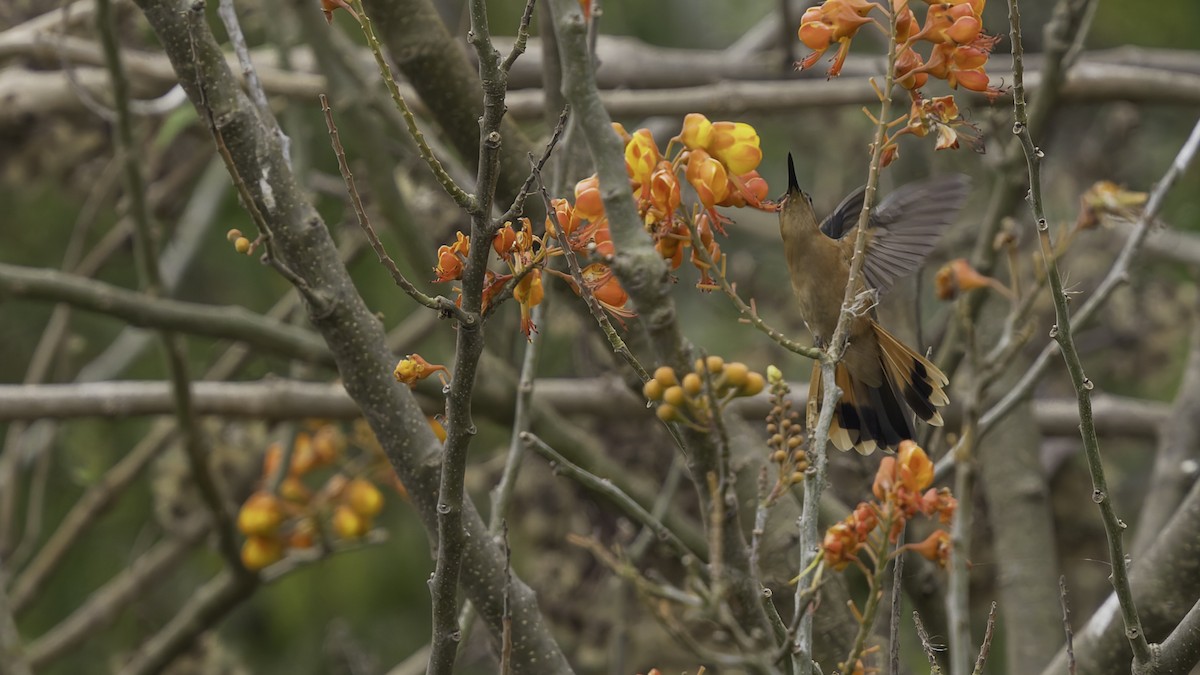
[{"x": 877, "y": 371}]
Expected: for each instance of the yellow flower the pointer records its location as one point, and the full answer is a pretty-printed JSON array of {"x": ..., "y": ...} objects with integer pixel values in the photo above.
[
  {"x": 697, "y": 131},
  {"x": 641, "y": 156},
  {"x": 735, "y": 144}
]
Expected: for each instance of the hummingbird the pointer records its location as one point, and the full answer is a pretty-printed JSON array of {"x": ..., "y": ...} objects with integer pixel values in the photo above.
[{"x": 877, "y": 371}]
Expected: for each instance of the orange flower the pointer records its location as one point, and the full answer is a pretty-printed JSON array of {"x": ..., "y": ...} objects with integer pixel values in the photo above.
[
  {"x": 529, "y": 293},
  {"x": 327, "y": 7},
  {"x": 900, "y": 480},
  {"x": 708, "y": 177},
  {"x": 450, "y": 258},
  {"x": 588, "y": 203},
  {"x": 939, "y": 502},
  {"x": 414, "y": 368},
  {"x": 840, "y": 546},
  {"x": 957, "y": 276},
  {"x": 708, "y": 241},
  {"x": 949, "y": 23},
  {"x": 567, "y": 219},
  {"x": 939, "y": 115},
  {"x": 603, "y": 284},
  {"x": 749, "y": 189},
  {"x": 671, "y": 243},
  {"x": 602, "y": 241},
  {"x": 663, "y": 198},
  {"x": 906, "y": 63},
  {"x": 735, "y": 144},
  {"x": 504, "y": 241},
  {"x": 832, "y": 21},
  {"x": 935, "y": 547}
]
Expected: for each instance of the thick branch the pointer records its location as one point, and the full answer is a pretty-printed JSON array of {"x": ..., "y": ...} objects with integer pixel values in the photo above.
[
  {"x": 138, "y": 309},
  {"x": 355, "y": 337}
]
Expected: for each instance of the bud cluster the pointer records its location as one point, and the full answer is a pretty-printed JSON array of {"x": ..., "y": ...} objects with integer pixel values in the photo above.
[
  {"x": 689, "y": 400},
  {"x": 785, "y": 436}
]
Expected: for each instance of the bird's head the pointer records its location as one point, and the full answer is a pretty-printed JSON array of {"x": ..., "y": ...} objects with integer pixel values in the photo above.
[{"x": 795, "y": 202}]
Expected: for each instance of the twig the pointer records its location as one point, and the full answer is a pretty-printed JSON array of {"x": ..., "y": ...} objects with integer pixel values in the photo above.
[
  {"x": 748, "y": 311},
  {"x": 1063, "y": 30},
  {"x": 465, "y": 201},
  {"x": 1066, "y": 617},
  {"x": 443, "y": 305},
  {"x": 894, "y": 620},
  {"x": 1063, "y": 334},
  {"x": 94, "y": 502},
  {"x": 104, "y": 606},
  {"x": 987, "y": 641},
  {"x": 230, "y": 323},
  {"x": 518, "y": 47},
  {"x": 233, "y": 29},
  {"x": 605, "y": 487},
  {"x": 207, "y": 605},
  {"x": 518, "y": 204},
  {"x": 10, "y": 638},
  {"x": 923, "y": 636},
  {"x": 194, "y": 444}
]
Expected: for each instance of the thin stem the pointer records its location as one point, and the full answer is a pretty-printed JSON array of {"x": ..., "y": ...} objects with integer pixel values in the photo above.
[
  {"x": 174, "y": 348},
  {"x": 986, "y": 647},
  {"x": 748, "y": 311},
  {"x": 1066, "y": 618},
  {"x": 1063, "y": 334},
  {"x": 443, "y": 305},
  {"x": 611, "y": 492},
  {"x": 894, "y": 620},
  {"x": 874, "y": 600},
  {"x": 465, "y": 201}
]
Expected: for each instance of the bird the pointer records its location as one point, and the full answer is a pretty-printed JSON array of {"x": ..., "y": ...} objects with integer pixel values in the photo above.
[{"x": 877, "y": 371}]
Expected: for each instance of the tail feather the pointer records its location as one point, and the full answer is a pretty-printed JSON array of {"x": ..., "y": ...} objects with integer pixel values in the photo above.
[
  {"x": 920, "y": 382},
  {"x": 869, "y": 417}
]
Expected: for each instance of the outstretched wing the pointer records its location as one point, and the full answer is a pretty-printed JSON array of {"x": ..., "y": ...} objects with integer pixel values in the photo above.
[
  {"x": 843, "y": 219},
  {"x": 908, "y": 224}
]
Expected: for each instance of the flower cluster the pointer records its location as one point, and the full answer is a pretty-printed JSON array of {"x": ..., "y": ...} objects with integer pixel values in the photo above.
[
  {"x": 902, "y": 490},
  {"x": 958, "y": 54},
  {"x": 687, "y": 400},
  {"x": 719, "y": 160},
  {"x": 296, "y": 515}
]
